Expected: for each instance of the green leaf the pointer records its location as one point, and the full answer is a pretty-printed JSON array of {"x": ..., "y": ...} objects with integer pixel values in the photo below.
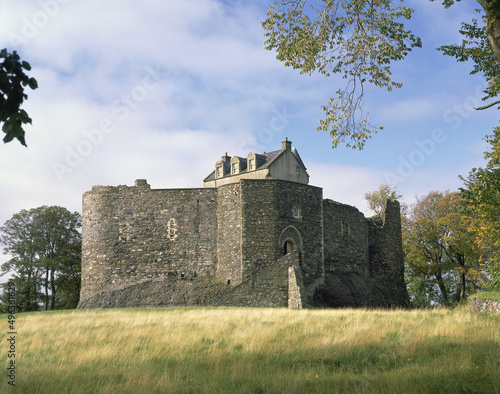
[{"x": 33, "y": 84}]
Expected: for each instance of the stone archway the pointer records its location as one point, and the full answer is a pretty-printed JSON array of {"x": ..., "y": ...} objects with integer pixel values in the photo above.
[{"x": 290, "y": 240}]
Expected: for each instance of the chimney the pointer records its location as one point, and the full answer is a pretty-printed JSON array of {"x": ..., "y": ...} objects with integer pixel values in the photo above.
[
  {"x": 226, "y": 158},
  {"x": 286, "y": 145}
]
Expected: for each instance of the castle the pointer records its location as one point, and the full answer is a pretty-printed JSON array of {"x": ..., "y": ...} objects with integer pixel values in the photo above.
[{"x": 257, "y": 235}]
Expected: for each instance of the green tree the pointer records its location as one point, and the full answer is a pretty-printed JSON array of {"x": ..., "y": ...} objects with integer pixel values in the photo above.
[
  {"x": 13, "y": 81},
  {"x": 360, "y": 40},
  {"x": 377, "y": 199},
  {"x": 45, "y": 244},
  {"x": 440, "y": 248},
  {"x": 17, "y": 237},
  {"x": 482, "y": 193}
]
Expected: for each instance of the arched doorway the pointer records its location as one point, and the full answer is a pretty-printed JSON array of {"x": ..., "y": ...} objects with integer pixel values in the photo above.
[
  {"x": 290, "y": 241},
  {"x": 288, "y": 247}
]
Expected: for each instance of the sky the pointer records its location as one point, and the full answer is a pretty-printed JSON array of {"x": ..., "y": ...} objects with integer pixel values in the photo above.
[{"x": 159, "y": 90}]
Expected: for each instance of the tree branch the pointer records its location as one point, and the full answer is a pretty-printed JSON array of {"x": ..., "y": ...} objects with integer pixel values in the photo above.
[{"x": 488, "y": 106}]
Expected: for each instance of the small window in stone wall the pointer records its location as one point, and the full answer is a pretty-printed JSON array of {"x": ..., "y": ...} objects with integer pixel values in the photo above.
[
  {"x": 172, "y": 229},
  {"x": 297, "y": 170},
  {"x": 345, "y": 229},
  {"x": 297, "y": 213}
]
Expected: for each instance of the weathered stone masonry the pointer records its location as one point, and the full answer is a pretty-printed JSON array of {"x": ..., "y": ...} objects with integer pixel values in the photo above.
[{"x": 269, "y": 241}]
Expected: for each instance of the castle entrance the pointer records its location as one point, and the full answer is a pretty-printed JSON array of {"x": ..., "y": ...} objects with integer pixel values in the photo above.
[
  {"x": 290, "y": 240},
  {"x": 288, "y": 247}
]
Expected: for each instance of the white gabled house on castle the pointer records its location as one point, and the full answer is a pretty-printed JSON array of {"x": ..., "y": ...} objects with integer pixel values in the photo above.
[{"x": 284, "y": 164}]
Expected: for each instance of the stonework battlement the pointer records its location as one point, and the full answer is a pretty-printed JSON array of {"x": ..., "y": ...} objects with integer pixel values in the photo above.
[{"x": 258, "y": 237}]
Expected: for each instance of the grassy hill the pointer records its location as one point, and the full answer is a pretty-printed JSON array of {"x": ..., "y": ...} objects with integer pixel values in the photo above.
[{"x": 235, "y": 350}]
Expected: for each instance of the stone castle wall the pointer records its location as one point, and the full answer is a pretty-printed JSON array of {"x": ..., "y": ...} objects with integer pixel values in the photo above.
[
  {"x": 226, "y": 246},
  {"x": 275, "y": 212},
  {"x": 229, "y": 215},
  {"x": 346, "y": 239},
  {"x": 132, "y": 234}
]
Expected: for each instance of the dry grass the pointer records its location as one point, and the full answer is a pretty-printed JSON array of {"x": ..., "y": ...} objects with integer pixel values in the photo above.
[{"x": 256, "y": 351}]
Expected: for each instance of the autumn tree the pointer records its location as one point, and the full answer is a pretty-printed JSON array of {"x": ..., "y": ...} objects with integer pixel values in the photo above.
[
  {"x": 482, "y": 193},
  {"x": 360, "y": 40},
  {"x": 45, "y": 247},
  {"x": 440, "y": 248},
  {"x": 377, "y": 199},
  {"x": 13, "y": 82}
]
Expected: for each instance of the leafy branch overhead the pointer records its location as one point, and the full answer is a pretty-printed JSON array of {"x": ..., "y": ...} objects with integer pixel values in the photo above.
[
  {"x": 357, "y": 39},
  {"x": 13, "y": 81}
]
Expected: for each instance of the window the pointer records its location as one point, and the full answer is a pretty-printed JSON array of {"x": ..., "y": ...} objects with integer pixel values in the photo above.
[
  {"x": 297, "y": 214},
  {"x": 172, "y": 232},
  {"x": 235, "y": 168},
  {"x": 297, "y": 170},
  {"x": 251, "y": 164},
  {"x": 219, "y": 172}
]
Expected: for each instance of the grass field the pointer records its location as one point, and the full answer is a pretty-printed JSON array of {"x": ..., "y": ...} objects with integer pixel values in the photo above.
[{"x": 237, "y": 350}]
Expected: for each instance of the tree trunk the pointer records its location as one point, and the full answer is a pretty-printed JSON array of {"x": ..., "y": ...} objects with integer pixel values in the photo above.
[
  {"x": 46, "y": 289},
  {"x": 28, "y": 294},
  {"x": 53, "y": 290},
  {"x": 492, "y": 9},
  {"x": 460, "y": 294},
  {"x": 442, "y": 287}
]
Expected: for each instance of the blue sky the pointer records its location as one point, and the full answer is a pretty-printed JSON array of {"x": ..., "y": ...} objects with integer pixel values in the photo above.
[{"x": 161, "y": 89}]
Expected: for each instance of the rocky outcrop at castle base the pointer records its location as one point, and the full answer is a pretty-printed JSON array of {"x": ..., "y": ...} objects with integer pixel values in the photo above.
[
  {"x": 351, "y": 290},
  {"x": 278, "y": 285}
]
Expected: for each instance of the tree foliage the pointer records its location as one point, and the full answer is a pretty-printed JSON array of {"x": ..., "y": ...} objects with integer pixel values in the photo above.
[
  {"x": 360, "y": 40},
  {"x": 13, "y": 82},
  {"x": 440, "y": 249},
  {"x": 377, "y": 199},
  {"x": 482, "y": 193},
  {"x": 475, "y": 46},
  {"x": 45, "y": 247}
]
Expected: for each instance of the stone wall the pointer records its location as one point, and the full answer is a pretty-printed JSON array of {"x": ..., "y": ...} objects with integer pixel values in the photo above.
[
  {"x": 297, "y": 295},
  {"x": 346, "y": 239},
  {"x": 278, "y": 211},
  {"x": 386, "y": 255},
  {"x": 132, "y": 234},
  {"x": 251, "y": 243},
  {"x": 484, "y": 305},
  {"x": 229, "y": 238},
  {"x": 267, "y": 288},
  {"x": 363, "y": 258}
]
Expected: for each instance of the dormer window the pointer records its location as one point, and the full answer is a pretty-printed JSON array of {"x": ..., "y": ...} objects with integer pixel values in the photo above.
[
  {"x": 251, "y": 164},
  {"x": 219, "y": 172},
  {"x": 235, "y": 168}
]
